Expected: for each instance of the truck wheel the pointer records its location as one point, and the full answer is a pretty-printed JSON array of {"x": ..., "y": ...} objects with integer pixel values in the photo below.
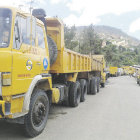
[
  {"x": 65, "y": 102},
  {"x": 137, "y": 82},
  {"x": 74, "y": 94},
  {"x": 83, "y": 85},
  {"x": 98, "y": 84},
  {"x": 36, "y": 119},
  {"x": 103, "y": 85},
  {"x": 93, "y": 86},
  {"x": 88, "y": 86}
]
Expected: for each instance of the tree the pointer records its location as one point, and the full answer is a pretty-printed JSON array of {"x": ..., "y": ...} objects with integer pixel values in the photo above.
[
  {"x": 69, "y": 34},
  {"x": 86, "y": 41},
  {"x": 90, "y": 42}
]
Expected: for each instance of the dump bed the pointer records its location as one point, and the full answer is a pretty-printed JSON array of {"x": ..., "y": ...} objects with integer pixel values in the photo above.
[
  {"x": 96, "y": 65},
  {"x": 101, "y": 59},
  {"x": 67, "y": 61}
]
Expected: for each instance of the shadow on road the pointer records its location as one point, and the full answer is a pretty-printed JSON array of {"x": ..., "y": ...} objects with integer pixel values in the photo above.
[{"x": 10, "y": 131}]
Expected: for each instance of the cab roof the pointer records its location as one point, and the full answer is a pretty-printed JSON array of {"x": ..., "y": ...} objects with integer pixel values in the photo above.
[{"x": 17, "y": 10}]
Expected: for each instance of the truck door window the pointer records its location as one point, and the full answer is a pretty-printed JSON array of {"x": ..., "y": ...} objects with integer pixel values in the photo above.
[
  {"x": 40, "y": 35},
  {"x": 24, "y": 31},
  {"x": 33, "y": 31},
  {"x": 17, "y": 37},
  {"x": 21, "y": 32},
  {"x": 5, "y": 26}
]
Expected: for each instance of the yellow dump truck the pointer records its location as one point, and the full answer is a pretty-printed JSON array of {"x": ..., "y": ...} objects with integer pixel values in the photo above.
[
  {"x": 132, "y": 70},
  {"x": 113, "y": 71},
  {"x": 129, "y": 70},
  {"x": 138, "y": 76},
  {"x": 101, "y": 71},
  {"x": 126, "y": 70},
  {"x": 37, "y": 70}
]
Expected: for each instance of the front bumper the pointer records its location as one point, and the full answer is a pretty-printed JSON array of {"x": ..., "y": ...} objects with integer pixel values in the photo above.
[{"x": 2, "y": 109}]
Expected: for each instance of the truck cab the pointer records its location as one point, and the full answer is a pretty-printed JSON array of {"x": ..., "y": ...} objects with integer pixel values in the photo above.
[
  {"x": 24, "y": 60},
  {"x": 24, "y": 73}
]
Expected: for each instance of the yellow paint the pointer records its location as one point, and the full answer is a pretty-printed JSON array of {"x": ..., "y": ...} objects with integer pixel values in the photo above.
[
  {"x": 103, "y": 77},
  {"x": 55, "y": 95},
  {"x": 99, "y": 64},
  {"x": 2, "y": 104},
  {"x": 72, "y": 77},
  {"x": 16, "y": 105},
  {"x": 113, "y": 70}
]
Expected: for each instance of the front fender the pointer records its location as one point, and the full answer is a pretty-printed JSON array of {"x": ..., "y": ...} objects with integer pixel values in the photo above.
[{"x": 33, "y": 84}]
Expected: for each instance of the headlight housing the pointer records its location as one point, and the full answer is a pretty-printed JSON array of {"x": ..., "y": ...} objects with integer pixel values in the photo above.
[{"x": 6, "y": 79}]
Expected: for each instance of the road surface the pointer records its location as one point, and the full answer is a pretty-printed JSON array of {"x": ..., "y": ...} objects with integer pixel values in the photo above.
[{"x": 112, "y": 114}]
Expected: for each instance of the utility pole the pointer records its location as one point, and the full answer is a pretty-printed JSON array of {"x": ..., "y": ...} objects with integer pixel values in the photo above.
[{"x": 31, "y": 8}]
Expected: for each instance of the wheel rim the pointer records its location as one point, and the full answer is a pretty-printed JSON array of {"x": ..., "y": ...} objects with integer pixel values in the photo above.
[{"x": 39, "y": 112}]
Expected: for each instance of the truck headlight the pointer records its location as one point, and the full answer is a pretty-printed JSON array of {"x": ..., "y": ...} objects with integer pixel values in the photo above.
[{"x": 6, "y": 78}]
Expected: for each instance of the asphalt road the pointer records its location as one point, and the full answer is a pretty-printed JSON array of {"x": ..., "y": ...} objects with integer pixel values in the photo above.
[{"x": 112, "y": 114}]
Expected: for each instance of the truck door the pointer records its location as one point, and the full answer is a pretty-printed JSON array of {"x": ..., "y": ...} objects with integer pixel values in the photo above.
[
  {"x": 42, "y": 48},
  {"x": 25, "y": 57}
]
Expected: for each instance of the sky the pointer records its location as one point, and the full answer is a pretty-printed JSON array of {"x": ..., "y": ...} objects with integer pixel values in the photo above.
[{"x": 122, "y": 14}]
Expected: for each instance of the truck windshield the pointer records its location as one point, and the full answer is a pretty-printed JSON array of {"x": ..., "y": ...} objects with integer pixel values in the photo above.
[{"x": 5, "y": 26}]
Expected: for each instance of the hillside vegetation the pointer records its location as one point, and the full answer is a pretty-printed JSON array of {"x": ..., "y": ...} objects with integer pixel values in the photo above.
[{"x": 87, "y": 40}]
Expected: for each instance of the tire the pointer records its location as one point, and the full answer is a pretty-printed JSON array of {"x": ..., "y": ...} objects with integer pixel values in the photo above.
[
  {"x": 93, "y": 86},
  {"x": 137, "y": 81},
  {"x": 98, "y": 84},
  {"x": 103, "y": 85},
  {"x": 83, "y": 85},
  {"x": 66, "y": 100},
  {"x": 52, "y": 50},
  {"x": 88, "y": 86},
  {"x": 74, "y": 94},
  {"x": 36, "y": 119}
]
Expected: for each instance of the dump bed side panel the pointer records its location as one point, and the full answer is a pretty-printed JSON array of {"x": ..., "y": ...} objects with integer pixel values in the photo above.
[
  {"x": 97, "y": 63},
  {"x": 69, "y": 62}
]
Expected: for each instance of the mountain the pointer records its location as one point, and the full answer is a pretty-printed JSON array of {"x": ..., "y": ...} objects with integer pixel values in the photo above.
[{"x": 114, "y": 35}]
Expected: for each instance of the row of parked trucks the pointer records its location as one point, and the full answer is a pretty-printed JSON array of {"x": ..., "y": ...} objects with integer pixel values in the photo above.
[
  {"x": 37, "y": 70},
  {"x": 125, "y": 70}
]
